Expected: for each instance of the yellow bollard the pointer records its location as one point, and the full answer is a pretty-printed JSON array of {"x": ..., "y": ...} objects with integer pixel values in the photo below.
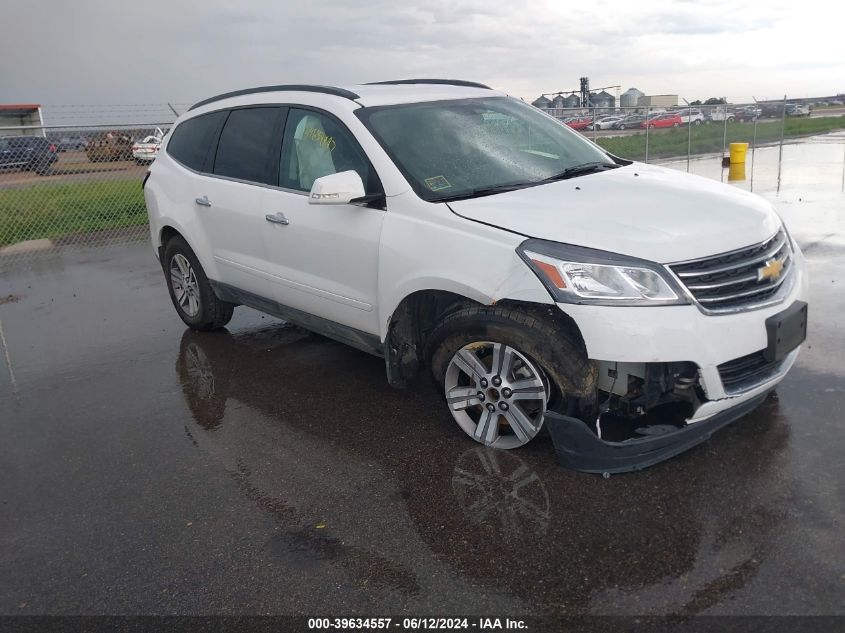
[
  {"x": 736, "y": 171},
  {"x": 738, "y": 151}
]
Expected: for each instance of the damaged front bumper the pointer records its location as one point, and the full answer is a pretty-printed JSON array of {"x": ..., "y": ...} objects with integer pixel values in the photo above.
[{"x": 577, "y": 447}]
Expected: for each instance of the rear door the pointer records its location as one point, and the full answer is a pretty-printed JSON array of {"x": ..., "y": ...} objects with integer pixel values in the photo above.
[
  {"x": 244, "y": 164},
  {"x": 322, "y": 259}
]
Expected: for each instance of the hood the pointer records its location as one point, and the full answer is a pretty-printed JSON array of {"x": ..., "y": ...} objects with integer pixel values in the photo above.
[{"x": 639, "y": 210}]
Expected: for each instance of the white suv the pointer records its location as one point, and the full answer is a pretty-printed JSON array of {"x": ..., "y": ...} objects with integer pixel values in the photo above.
[
  {"x": 690, "y": 116},
  {"x": 631, "y": 309}
]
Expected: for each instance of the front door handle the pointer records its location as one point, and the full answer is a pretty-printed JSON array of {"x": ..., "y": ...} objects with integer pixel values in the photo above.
[
  {"x": 277, "y": 218},
  {"x": 203, "y": 202}
]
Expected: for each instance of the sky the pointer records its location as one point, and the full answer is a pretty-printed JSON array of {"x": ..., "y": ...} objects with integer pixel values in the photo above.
[{"x": 127, "y": 54}]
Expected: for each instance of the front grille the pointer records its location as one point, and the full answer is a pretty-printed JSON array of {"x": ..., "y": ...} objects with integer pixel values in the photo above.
[
  {"x": 730, "y": 281},
  {"x": 746, "y": 372}
]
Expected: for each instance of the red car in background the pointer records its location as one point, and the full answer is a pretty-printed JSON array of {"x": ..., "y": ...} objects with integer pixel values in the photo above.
[
  {"x": 668, "y": 119},
  {"x": 579, "y": 122}
]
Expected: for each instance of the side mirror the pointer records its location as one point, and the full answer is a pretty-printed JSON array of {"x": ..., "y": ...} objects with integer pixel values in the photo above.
[{"x": 340, "y": 188}]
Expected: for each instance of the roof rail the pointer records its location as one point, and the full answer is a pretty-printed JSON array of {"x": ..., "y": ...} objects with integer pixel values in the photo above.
[
  {"x": 329, "y": 90},
  {"x": 445, "y": 82}
]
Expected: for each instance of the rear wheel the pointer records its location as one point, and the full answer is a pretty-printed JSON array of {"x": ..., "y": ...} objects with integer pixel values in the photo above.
[
  {"x": 190, "y": 290},
  {"x": 501, "y": 369}
]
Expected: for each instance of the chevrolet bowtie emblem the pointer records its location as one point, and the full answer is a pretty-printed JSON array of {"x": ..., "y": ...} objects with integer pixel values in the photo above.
[{"x": 771, "y": 270}]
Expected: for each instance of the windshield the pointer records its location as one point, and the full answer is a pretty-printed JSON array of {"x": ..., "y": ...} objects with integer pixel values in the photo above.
[{"x": 461, "y": 148}]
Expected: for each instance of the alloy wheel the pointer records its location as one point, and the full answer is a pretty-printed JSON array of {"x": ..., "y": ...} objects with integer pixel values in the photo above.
[
  {"x": 496, "y": 394},
  {"x": 183, "y": 280}
]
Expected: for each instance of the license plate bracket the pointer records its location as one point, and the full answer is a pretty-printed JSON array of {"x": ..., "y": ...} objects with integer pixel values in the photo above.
[{"x": 786, "y": 330}]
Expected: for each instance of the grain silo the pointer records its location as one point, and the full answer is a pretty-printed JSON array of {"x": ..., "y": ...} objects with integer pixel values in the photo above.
[
  {"x": 603, "y": 101},
  {"x": 630, "y": 98},
  {"x": 572, "y": 101},
  {"x": 542, "y": 103}
]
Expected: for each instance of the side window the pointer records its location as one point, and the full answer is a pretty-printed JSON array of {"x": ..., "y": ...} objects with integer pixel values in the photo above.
[
  {"x": 245, "y": 147},
  {"x": 316, "y": 145},
  {"x": 191, "y": 140}
]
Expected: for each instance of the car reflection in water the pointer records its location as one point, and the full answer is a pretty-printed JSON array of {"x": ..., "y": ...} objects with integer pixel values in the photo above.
[
  {"x": 497, "y": 487},
  {"x": 313, "y": 434}
]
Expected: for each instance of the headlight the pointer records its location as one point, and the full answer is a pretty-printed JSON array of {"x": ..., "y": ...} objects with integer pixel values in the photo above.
[{"x": 574, "y": 274}]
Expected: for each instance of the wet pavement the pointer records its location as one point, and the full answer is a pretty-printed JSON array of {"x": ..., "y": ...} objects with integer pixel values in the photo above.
[{"x": 150, "y": 469}]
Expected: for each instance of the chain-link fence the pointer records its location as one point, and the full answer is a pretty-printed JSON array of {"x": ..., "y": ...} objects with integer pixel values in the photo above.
[
  {"x": 73, "y": 185},
  {"x": 78, "y": 183}
]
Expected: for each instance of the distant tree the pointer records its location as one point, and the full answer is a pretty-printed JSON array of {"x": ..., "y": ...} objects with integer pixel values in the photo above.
[
  {"x": 696, "y": 102},
  {"x": 714, "y": 101}
]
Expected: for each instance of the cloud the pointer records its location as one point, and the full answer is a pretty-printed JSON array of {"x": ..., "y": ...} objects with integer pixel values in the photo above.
[{"x": 94, "y": 51}]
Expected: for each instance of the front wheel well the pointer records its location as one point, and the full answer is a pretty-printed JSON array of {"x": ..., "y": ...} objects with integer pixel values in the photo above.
[{"x": 418, "y": 314}]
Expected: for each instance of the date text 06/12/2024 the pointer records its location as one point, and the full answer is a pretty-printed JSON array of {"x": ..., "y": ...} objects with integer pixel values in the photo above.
[{"x": 414, "y": 624}]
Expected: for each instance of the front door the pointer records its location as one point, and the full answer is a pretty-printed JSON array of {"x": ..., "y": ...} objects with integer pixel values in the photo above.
[{"x": 322, "y": 259}]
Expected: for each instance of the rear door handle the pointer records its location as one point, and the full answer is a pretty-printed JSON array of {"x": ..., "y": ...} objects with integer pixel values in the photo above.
[
  {"x": 203, "y": 202},
  {"x": 277, "y": 218}
]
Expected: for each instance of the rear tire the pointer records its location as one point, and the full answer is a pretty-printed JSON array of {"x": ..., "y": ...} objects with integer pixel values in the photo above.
[
  {"x": 190, "y": 291},
  {"x": 542, "y": 366}
]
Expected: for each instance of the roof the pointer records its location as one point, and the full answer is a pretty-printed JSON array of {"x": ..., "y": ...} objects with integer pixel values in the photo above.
[
  {"x": 404, "y": 91},
  {"x": 19, "y": 109}
]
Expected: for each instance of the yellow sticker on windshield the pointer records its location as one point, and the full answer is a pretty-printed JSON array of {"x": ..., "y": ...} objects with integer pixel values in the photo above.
[{"x": 436, "y": 183}]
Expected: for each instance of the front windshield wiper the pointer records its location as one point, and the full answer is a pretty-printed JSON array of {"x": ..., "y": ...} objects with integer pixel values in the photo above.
[
  {"x": 485, "y": 191},
  {"x": 582, "y": 170}
]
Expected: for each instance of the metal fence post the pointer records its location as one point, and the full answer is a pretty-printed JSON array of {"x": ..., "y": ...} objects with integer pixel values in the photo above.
[
  {"x": 724, "y": 134},
  {"x": 594, "y": 124},
  {"x": 843, "y": 171},
  {"x": 689, "y": 132},
  {"x": 647, "y": 110},
  {"x": 753, "y": 142},
  {"x": 782, "y": 131}
]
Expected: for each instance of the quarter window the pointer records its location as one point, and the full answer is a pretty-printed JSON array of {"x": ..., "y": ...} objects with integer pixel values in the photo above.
[
  {"x": 245, "y": 147},
  {"x": 316, "y": 145},
  {"x": 191, "y": 140}
]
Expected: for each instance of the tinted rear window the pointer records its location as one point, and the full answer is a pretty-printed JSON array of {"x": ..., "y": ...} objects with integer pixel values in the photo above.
[
  {"x": 191, "y": 140},
  {"x": 245, "y": 149}
]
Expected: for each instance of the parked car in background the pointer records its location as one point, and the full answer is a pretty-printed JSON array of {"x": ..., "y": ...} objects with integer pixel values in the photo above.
[
  {"x": 797, "y": 109},
  {"x": 145, "y": 150},
  {"x": 746, "y": 113},
  {"x": 630, "y": 122},
  {"x": 690, "y": 116},
  {"x": 719, "y": 113},
  {"x": 772, "y": 110},
  {"x": 669, "y": 119},
  {"x": 71, "y": 143},
  {"x": 109, "y": 146},
  {"x": 579, "y": 122},
  {"x": 27, "y": 153},
  {"x": 605, "y": 122}
]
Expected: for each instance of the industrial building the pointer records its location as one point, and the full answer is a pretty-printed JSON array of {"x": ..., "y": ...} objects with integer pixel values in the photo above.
[
  {"x": 15, "y": 118},
  {"x": 657, "y": 101}
]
